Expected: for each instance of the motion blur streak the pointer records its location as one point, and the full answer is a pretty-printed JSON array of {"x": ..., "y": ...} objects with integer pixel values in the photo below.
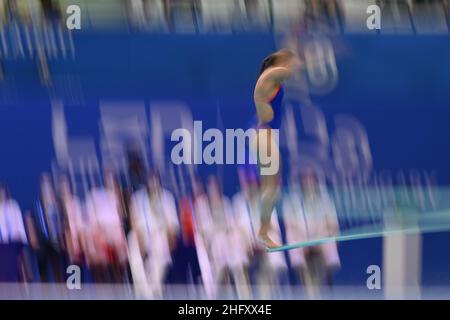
[{"x": 92, "y": 206}]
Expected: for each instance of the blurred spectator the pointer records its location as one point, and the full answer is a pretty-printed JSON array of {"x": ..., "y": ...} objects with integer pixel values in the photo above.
[
  {"x": 16, "y": 259},
  {"x": 107, "y": 250},
  {"x": 51, "y": 9},
  {"x": 12, "y": 240},
  {"x": 396, "y": 16},
  {"x": 182, "y": 15},
  {"x": 324, "y": 15},
  {"x": 258, "y": 17},
  {"x": 430, "y": 16},
  {"x": 228, "y": 242},
  {"x": 294, "y": 221},
  {"x": 137, "y": 13},
  {"x": 203, "y": 233},
  {"x": 3, "y": 12},
  {"x": 28, "y": 12},
  {"x": 136, "y": 168},
  {"x": 190, "y": 16},
  {"x": 321, "y": 222},
  {"x": 221, "y": 16},
  {"x": 12, "y": 228},
  {"x": 189, "y": 256},
  {"x": 48, "y": 227},
  {"x": 154, "y": 220},
  {"x": 148, "y": 14},
  {"x": 74, "y": 222}
]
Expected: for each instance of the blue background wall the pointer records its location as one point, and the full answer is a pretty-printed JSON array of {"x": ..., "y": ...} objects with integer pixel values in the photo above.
[{"x": 398, "y": 87}]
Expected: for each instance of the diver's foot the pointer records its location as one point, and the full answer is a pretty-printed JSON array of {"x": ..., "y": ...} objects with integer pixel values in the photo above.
[{"x": 266, "y": 241}]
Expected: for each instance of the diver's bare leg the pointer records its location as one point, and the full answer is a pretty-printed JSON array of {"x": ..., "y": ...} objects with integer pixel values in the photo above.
[
  {"x": 269, "y": 197},
  {"x": 269, "y": 191}
]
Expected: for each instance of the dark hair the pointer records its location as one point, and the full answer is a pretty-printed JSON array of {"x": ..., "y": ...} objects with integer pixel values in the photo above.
[{"x": 274, "y": 58}]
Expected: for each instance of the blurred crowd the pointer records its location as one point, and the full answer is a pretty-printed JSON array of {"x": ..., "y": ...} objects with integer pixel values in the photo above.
[
  {"x": 149, "y": 238},
  {"x": 146, "y": 235},
  {"x": 199, "y": 16},
  {"x": 36, "y": 29}
]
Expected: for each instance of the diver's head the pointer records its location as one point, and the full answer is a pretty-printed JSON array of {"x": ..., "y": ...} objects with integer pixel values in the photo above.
[{"x": 282, "y": 58}]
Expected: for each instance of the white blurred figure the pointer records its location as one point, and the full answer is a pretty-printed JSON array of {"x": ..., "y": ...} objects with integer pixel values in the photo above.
[
  {"x": 320, "y": 222},
  {"x": 107, "y": 243},
  {"x": 218, "y": 16},
  {"x": 148, "y": 15},
  {"x": 13, "y": 235},
  {"x": 204, "y": 234},
  {"x": 12, "y": 228},
  {"x": 137, "y": 13},
  {"x": 155, "y": 226},
  {"x": 264, "y": 268},
  {"x": 228, "y": 244},
  {"x": 74, "y": 232},
  {"x": 204, "y": 219}
]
